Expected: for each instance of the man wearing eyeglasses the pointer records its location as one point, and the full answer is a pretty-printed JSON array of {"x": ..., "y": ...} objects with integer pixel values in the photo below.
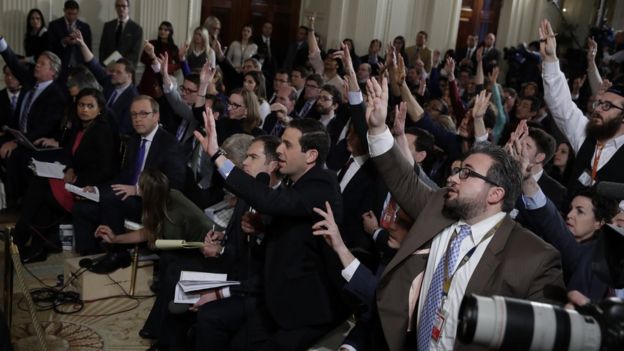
[
  {"x": 463, "y": 241},
  {"x": 597, "y": 141},
  {"x": 122, "y": 35},
  {"x": 151, "y": 148}
]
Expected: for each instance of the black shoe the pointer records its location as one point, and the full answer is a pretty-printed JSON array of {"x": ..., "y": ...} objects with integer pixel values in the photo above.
[
  {"x": 146, "y": 334},
  {"x": 34, "y": 255},
  {"x": 111, "y": 262}
]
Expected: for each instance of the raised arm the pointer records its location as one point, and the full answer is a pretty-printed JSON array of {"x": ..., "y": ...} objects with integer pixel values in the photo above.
[
  {"x": 501, "y": 116},
  {"x": 314, "y": 52}
]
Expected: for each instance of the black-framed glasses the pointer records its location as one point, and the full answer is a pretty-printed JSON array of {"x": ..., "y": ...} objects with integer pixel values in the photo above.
[
  {"x": 311, "y": 86},
  {"x": 605, "y": 105},
  {"x": 140, "y": 114},
  {"x": 234, "y": 105},
  {"x": 185, "y": 90},
  {"x": 465, "y": 173}
]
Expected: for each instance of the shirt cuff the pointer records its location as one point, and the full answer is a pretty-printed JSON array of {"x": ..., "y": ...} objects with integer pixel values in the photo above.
[
  {"x": 225, "y": 292},
  {"x": 481, "y": 138},
  {"x": 225, "y": 170},
  {"x": 349, "y": 270},
  {"x": 380, "y": 143},
  {"x": 550, "y": 68},
  {"x": 536, "y": 201},
  {"x": 376, "y": 234},
  {"x": 355, "y": 97},
  {"x": 3, "y": 45},
  {"x": 168, "y": 88},
  {"x": 347, "y": 347},
  {"x": 155, "y": 66}
]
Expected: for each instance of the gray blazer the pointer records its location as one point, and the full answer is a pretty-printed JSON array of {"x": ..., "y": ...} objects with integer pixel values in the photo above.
[
  {"x": 516, "y": 262},
  {"x": 130, "y": 45}
]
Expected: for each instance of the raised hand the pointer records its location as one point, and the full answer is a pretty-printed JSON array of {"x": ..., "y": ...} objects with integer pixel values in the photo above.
[
  {"x": 592, "y": 49},
  {"x": 328, "y": 228},
  {"x": 493, "y": 76},
  {"x": 182, "y": 51},
  {"x": 400, "y": 115},
  {"x": 149, "y": 49},
  {"x": 376, "y": 105},
  {"x": 548, "y": 43},
  {"x": 479, "y": 55},
  {"x": 577, "y": 84},
  {"x": 207, "y": 73},
  {"x": 449, "y": 67},
  {"x": 163, "y": 59},
  {"x": 209, "y": 142},
  {"x": 482, "y": 101}
]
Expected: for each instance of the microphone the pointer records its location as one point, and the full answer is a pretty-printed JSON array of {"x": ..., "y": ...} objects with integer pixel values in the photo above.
[
  {"x": 178, "y": 308},
  {"x": 610, "y": 190}
]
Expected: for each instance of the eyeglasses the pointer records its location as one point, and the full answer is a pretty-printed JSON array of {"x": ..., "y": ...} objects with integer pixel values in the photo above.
[
  {"x": 230, "y": 103},
  {"x": 465, "y": 173},
  {"x": 605, "y": 105},
  {"x": 185, "y": 90},
  {"x": 311, "y": 86},
  {"x": 325, "y": 98},
  {"x": 140, "y": 114}
]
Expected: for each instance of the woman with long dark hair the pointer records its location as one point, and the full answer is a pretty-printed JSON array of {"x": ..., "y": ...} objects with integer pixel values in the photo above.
[
  {"x": 36, "y": 36},
  {"x": 166, "y": 214},
  {"x": 154, "y": 48},
  {"x": 255, "y": 82},
  {"x": 91, "y": 158}
]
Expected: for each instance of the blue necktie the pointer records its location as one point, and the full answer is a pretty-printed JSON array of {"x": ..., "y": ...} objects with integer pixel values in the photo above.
[
  {"x": 111, "y": 99},
  {"x": 138, "y": 163},
  {"x": 434, "y": 295},
  {"x": 23, "y": 121},
  {"x": 13, "y": 102}
]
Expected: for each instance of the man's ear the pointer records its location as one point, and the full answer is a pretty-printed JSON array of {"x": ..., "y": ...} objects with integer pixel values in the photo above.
[
  {"x": 540, "y": 157},
  {"x": 273, "y": 166},
  {"x": 420, "y": 156},
  {"x": 311, "y": 156}
]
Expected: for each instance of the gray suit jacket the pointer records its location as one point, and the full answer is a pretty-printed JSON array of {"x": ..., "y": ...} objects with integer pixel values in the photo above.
[
  {"x": 131, "y": 43},
  {"x": 516, "y": 263}
]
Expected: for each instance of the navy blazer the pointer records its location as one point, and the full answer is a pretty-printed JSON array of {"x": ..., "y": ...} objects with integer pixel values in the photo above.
[
  {"x": 47, "y": 110},
  {"x": 299, "y": 267},
  {"x": 164, "y": 155},
  {"x": 57, "y": 30},
  {"x": 130, "y": 45},
  {"x": 120, "y": 109},
  {"x": 576, "y": 257}
]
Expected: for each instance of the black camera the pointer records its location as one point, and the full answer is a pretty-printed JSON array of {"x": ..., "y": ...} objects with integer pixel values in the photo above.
[{"x": 502, "y": 323}]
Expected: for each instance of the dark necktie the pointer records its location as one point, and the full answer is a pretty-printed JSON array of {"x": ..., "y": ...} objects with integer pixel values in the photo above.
[
  {"x": 23, "y": 121},
  {"x": 344, "y": 169},
  {"x": 138, "y": 163},
  {"x": 111, "y": 99},
  {"x": 118, "y": 33},
  {"x": 13, "y": 102}
]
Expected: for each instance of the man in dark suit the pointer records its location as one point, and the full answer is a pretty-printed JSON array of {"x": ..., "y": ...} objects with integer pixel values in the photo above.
[
  {"x": 150, "y": 148},
  {"x": 62, "y": 35},
  {"x": 122, "y": 35},
  {"x": 11, "y": 98},
  {"x": 470, "y": 212},
  {"x": 268, "y": 51},
  {"x": 467, "y": 55},
  {"x": 39, "y": 115},
  {"x": 297, "y": 54},
  {"x": 222, "y": 315},
  {"x": 541, "y": 147},
  {"x": 298, "y": 268},
  {"x": 119, "y": 89},
  {"x": 304, "y": 107},
  {"x": 491, "y": 55},
  {"x": 282, "y": 111}
]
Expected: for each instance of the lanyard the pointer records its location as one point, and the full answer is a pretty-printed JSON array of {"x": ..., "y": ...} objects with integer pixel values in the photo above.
[{"x": 447, "y": 280}]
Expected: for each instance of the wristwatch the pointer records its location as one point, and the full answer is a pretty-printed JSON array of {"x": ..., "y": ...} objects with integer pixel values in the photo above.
[{"x": 220, "y": 152}]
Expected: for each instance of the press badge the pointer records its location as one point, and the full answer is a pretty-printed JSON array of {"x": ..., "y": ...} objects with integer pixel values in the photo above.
[
  {"x": 585, "y": 178},
  {"x": 438, "y": 324}
]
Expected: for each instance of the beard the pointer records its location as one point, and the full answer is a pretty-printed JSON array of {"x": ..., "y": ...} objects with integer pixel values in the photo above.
[
  {"x": 604, "y": 131},
  {"x": 461, "y": 208}
]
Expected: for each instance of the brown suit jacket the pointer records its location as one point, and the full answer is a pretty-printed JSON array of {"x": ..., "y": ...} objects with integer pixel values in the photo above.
[
  {"x": 516, "y": 263},
  {"x": 425, "y": 56}
]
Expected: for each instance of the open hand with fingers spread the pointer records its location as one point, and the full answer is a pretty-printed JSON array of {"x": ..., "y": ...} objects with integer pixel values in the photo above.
[
  {"x": 209, "y": 142},
  {"x": 376, "y": 105},
  {"x": 548, "y": 43}
]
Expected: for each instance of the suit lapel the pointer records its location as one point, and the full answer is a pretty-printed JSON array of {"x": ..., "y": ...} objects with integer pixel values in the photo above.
[
  {"x": 491, "y": 258},
  {"x": 154, "y": 149}
]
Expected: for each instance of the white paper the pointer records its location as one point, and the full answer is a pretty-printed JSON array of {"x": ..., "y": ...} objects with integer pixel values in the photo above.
[
  {"x": 49, "y": 169},
  {"x": 194, "y": 281},
  {"x": 112, "y": 58},
  {"x": 95, "y": 197}
]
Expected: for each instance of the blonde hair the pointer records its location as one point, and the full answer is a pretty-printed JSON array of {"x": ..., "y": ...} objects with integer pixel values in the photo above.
[{"x": 205, "y": 36}]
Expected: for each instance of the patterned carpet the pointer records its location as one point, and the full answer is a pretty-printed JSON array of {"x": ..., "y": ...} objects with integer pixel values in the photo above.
[{"x": 110, "y": 324}]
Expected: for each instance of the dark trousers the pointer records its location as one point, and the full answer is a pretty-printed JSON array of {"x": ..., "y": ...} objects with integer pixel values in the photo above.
[
  {"x": 39, "y": 217},
  {"x": 262, "y": 333},
  {"x": 218, "y": 322},
  {"x": 110, "y": 211},
  {"x": 171, "y": 329}
]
